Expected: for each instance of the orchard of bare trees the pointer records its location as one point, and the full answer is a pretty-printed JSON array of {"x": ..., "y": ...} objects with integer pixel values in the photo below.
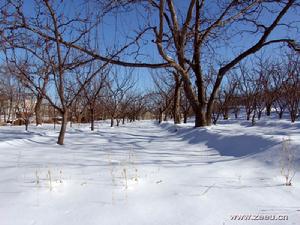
[{"x": 84, "y": 61}]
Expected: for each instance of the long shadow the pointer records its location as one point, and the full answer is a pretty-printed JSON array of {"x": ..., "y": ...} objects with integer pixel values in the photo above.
[
  {"x": 239, "y": 145},
  {"x": 172, "y": 154},
  {"x": 11, "y": 134}
]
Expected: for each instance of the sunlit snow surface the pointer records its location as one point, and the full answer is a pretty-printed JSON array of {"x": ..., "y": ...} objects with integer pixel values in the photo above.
[{"x": 144, "y": 173}]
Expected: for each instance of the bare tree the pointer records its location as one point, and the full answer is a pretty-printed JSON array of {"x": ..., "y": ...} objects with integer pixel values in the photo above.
[
  {"x": 164, "y": 94},
  {"x": 292, "y": 86},
  {"x": 118, "y": 89},
  {"x": 185, "y": 107},
  {"x": 265, "y": 70},
  {"x": 9, "y": 86},
  {"x": 225, "y": 100},
  {"x": 182, "y": 40},
  {"x": 61, "y": 62},
  {"x": 137, "y": 107},
  {"x": 92, "y": 90},
  {"x": 25, "y": 106},
  {"x": 185, "y": 37},
  {"x": 248, "y": 90},
  {"x": 278, "y": 79}
]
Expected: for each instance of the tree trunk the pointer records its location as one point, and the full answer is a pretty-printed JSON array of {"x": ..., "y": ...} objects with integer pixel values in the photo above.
[
  {"x": 198, "y": 109},
  {"x": 200, "y": 118},
  {"x": 259, "y": 114},
  {"x": 226, "y": 114},
  {"x": 160, "y": 117},
  {"x": 248, "y": 113},
  {"x": 185, "y": 115},
  {"x": 268, "y": 109},
  {"x": 280, "y": 114},
  {"x": 111, "y": 121},
  {"x": 208, "y": 118},
  {"x": 26, "y": 124},
  {"x": 177, "y": 114},
  {"x": 92, "y": 111},
  {"x": 37, "y": 110},
  {"x": 253, "y": 118},
  {"x": 10, "y": 110},
  {"x": 293, "y": 115},
  {"x": 123, "y": 120},
  {"x": 63, "y": 128},
  {"x": 176, "y": 107}
]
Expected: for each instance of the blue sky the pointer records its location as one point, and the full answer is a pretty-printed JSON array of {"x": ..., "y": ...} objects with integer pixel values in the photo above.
[{"x": 116, "y": 30}]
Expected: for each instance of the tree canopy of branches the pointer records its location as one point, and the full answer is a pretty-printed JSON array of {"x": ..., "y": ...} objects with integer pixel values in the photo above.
[{"x": 60, "y": 57}]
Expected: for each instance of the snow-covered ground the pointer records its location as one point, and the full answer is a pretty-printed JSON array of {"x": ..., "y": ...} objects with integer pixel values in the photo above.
[{"x": 143, "y": 173}]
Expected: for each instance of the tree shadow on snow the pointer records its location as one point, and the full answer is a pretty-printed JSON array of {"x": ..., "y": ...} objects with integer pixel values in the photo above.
[
  {"x": 11, "y": 134},
  {"x": 239, "y": 145}
]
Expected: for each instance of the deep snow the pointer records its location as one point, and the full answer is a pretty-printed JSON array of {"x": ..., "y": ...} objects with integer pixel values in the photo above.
[{"x": 144, "y": 173}]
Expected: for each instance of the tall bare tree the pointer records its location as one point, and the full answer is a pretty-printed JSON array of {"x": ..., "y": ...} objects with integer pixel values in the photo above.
[
  {"x": 29, "y": 51},
  {"x": 182, "y": 40}
]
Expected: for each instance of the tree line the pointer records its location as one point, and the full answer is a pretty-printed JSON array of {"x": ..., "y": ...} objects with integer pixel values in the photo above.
[{"x": 60, "y": 57}]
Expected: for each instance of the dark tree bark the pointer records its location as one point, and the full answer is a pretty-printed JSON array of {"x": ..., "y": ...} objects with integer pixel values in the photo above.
[
  {"x": 63, "y": 128},
  {"x": 177, "y": 97},
  {"x": 92, "y": 111},
  {"x": 253, "y": 118},
  {"x": 26, "y": 124},
  {"x": 248, "y": 114},
  {"x": 293, "y": 116},
  {"x": 160, "y": 116},
  {"x": 111, "y": 122},
  {"x": 37, "y": 110},
  {"x": 201, "y": 119},
  {"x": 185, "y": 118},
  {"x": 268, "y": 109}
]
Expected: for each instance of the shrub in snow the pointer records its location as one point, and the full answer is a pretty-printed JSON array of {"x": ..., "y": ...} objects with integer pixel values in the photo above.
[
  {"x": 287, "y": 162},
  {"x": 50, "y": 180}
]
